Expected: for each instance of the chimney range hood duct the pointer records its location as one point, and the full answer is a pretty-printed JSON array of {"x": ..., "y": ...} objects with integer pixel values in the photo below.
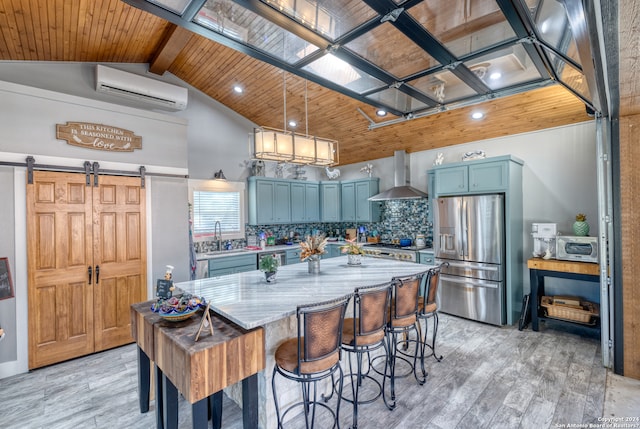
[{"x": 401, "y": 190}]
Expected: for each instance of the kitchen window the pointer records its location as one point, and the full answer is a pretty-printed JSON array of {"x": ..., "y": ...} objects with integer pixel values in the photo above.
[{"x": 217, "y": 201}]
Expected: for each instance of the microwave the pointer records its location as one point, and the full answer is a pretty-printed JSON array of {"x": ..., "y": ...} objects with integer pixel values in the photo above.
[{"x": 574, "y": 248}]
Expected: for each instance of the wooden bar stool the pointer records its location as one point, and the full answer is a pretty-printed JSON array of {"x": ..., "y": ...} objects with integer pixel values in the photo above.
[
  {"x": 313, "y": 356},
  {"x": 364, "y": 333}
]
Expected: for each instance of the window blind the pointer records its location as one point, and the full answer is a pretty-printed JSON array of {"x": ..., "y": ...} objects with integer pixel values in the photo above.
[{"x": 209, "y": 207}]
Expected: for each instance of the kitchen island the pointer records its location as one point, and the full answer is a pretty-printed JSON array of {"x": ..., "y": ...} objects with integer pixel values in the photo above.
[{"x": 248, "y": 301}]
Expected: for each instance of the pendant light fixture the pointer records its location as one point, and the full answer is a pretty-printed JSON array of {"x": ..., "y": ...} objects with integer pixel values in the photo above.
[{"x": 295, "y": 148}]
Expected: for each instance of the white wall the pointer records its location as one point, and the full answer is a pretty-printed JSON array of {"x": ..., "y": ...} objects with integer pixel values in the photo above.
[{"x": 28, "y": 117}]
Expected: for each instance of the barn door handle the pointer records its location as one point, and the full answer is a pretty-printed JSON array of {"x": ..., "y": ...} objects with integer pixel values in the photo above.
[
  {"x": 97, "y": 274},
  {"x": 90, "y": 273}
]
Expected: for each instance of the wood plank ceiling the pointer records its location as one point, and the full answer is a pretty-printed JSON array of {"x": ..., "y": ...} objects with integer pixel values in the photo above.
[{"x": 110, "y": 31}]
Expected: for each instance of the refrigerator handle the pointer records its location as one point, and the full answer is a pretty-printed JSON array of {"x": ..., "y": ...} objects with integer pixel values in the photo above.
[{"x": 464, "y": 229}]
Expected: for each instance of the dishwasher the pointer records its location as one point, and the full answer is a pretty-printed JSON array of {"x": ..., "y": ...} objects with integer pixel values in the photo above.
[{"x": 280, "y": 255}]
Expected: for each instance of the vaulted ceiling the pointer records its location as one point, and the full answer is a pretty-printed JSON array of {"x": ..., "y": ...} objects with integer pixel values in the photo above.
[{"x": 111, "y": 31}]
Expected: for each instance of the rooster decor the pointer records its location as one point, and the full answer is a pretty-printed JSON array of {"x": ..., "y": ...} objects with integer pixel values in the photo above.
[
  {"x": 367, "y": 169},
  {"x": 332, "y": 174}
]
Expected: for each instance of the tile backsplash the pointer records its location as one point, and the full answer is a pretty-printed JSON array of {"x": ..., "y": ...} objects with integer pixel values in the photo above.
[{"x": 399, "y": 219}]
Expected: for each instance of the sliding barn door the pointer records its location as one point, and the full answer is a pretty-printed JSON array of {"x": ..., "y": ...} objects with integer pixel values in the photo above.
[
  {"x": 86, "y": 263},
  {"x": 119, "y": 254},
  {"x": 60, "y": 255}
]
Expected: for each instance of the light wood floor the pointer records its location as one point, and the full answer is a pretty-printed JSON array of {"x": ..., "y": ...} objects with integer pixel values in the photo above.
[{"x": 490, "y": 377}]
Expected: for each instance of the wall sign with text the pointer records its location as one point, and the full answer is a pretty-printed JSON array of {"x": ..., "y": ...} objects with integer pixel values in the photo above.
[{"x": 98, "y": 136}]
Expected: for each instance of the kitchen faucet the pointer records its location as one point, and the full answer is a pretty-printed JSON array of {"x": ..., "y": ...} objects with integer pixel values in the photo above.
[{"x": 217, "y": 227}]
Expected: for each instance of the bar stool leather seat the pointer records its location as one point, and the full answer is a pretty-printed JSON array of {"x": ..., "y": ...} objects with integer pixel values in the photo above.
[{"x": 286, "y": 357}]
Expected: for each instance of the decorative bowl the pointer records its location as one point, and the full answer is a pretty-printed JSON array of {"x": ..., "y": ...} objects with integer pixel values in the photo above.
[
  {"x": 178, "y": 316},
  {"x": 176, "y": 309}
]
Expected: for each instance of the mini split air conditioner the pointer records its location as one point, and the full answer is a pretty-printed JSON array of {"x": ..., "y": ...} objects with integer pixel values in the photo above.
[{"x": 140, "y": 88}]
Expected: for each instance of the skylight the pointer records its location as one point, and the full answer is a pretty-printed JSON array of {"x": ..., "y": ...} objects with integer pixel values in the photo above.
[{"x": 418, "y": 57}]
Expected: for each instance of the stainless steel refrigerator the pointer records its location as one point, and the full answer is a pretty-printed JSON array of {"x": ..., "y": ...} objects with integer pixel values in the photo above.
[{"x": 469, "y": 235}]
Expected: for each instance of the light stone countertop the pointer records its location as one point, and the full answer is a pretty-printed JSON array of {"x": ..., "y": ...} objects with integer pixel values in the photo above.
[
  {"x": 236, "y": 252},
  {"x": 247, "y": 300}
]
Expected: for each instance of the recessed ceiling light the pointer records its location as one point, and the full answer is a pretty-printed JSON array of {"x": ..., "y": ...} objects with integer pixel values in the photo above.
[
  {"x": 477, "y": 115},
  {"x": 381, "y": 112},
  {"x": 495, "y": 75},
  {"x": 238, "y": 89},
  {"x": 293, "y": 123}
]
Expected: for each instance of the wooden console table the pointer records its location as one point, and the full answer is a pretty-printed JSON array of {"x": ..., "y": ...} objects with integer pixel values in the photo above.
[
  {"x": 198, "y": 370},
  {"x": 541, "y": 268}
]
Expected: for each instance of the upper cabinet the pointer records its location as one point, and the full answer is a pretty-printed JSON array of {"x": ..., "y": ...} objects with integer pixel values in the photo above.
[
  {"x": 356, "y": 206},
  {"x": 330, "y": 202},
  {"x": 305, "y": 202},
  {"x": 487, "y": 175},
  {"x": 269, "y": 201},
  {"x": 431, "y": 181},
  {"x": 276, "y": 201}
]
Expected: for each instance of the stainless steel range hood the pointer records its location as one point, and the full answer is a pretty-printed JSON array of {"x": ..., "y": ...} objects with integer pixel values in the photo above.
[{"x": 401, "y": 190}]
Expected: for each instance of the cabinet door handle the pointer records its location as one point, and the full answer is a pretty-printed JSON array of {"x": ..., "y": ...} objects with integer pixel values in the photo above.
[
  {"x": 90, "y": 273},
  {"x": 97, "y": 274}
]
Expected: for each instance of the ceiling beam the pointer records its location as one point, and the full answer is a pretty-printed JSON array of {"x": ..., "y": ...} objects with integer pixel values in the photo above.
[{"x": 175, "y": 40}]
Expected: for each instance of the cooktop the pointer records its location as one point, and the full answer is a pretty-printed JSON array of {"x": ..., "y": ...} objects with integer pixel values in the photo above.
[{"x": 394, "y": 246}]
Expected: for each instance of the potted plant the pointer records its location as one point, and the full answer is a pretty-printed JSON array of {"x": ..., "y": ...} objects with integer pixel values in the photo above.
[
  {"x": 354, "y": 252},
  {"x": 312, "y": 248},
  {"x": 580, "y": 226},
  {"x": 269, "y": 265}
]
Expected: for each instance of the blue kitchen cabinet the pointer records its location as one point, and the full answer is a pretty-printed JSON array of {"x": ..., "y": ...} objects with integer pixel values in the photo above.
[
  {"x": 305, "y": 202},
  {"x": 282, "y": 202},
  {"x": 269, "y": 201},
  {"x": 333, "y": 250},
  {"x": 232, "y": 264},
  {"x": 431, "y": 180},
  {"x": 426, "y": 257},
  {"x": 312, "y": 202},
  {"x": 293, "y": 256},
  {"x": 297, "y": 200},
  {"x": 454, "y": 180},
  {"x": 355, "y": 203},
  {"x": 486, "y": 175},
  {"x": 330, "y": 202},
  {"x": 348, "y": 202}
]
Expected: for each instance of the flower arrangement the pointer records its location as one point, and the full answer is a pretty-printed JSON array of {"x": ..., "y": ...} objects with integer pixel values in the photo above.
[
  {"x": 313, "y": 245},
  {"x": 352, "y": 248},
  {"x": 581, "y": 217},
  {"x": 269, "y": 264}
]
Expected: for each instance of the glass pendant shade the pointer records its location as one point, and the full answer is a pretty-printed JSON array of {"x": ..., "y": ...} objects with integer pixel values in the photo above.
[
  {"x": 274, "y": 145},
  {"x": 325, "y": 151},
  {"x": 305, "y": 149}
]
